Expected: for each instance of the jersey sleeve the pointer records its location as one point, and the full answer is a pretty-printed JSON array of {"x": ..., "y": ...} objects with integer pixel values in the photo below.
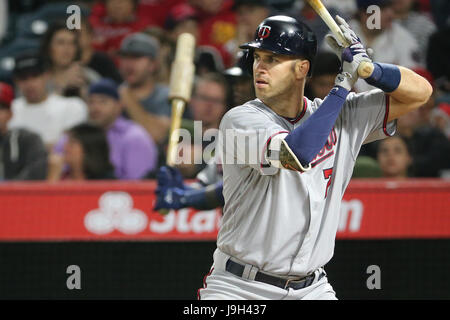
[
  {"x": 244, "y": 139},
  {"x": 364, "y": 117}
]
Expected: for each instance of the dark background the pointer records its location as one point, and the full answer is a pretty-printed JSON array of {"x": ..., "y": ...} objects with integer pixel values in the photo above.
[{"x": 410, "y": 269}]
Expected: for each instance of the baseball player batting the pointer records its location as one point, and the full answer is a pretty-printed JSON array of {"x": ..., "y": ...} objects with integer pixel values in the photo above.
[{"x": 282, "y": 208}]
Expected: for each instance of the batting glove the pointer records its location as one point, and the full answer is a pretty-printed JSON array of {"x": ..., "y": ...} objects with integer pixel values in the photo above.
[
  {"x": 350, "y": 56},
  {"x": 170, "y": 190}
]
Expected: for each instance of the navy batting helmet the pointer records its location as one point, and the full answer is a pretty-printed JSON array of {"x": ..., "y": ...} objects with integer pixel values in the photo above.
[{"x": 285, "y": 35}]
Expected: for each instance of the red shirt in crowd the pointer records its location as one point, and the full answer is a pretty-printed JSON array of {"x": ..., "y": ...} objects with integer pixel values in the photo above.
[
  {"x": 109, "y": 35},
  {"x": 217, "y": 30}
]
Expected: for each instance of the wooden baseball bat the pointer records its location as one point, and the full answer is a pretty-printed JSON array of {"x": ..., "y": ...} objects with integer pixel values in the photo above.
[
  {"x": 180, "y": 87},
  {"x": 365, "y": 68},
  {"x": 181, "y": 79}
]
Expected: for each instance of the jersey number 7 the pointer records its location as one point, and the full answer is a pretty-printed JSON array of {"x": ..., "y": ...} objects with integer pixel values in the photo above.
[{"x": 327, "y": 173}]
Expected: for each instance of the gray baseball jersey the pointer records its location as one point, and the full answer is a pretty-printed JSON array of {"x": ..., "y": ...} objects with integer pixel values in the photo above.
[{"x": 282, "y": 221}]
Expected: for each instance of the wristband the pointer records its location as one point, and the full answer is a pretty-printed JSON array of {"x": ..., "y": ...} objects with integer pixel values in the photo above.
[{"x": 385, "y": 76}]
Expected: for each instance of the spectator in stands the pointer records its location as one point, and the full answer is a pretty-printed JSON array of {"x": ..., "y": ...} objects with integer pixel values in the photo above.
[
  {"x": 390, "y": 42},
  {"x": 217, "y": 25},
  {"x": 22, "y": 152},
  {"x": 249, "y": 14},
  {"x": 96, "y": 60},
  {"x": 394, "y": 157},
  {"x": 61, "y": 48},
  {"x": 113, "y": 20},
  {"x": 430, "y": 148},
  {"x": 157, "y": 10},
  {"x": 166, "y": 54},
  {"x": 325, "y": 69},
  {"x": 47, "y": 114},
  {"x": 209, "y": 100},
  {"x": 207, "y": 106},
  {"x": 132, "y": 151},
  {"x": 86, "y": 154},
  {"x": 182, "y": 18},
  {"x": 145, "y": 100},
  {"x": 418, "y": 24},
  {"x": 240, "y": 81},
  {"x": 440, "y": 118}
]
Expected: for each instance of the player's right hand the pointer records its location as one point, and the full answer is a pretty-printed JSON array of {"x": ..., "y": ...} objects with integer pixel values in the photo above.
[
  {"x": 170, "y": 190},
  {"x": 351, "y": 56}
]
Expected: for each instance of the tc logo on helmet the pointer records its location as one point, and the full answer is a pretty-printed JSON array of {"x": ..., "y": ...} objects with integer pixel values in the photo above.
[{"x": 264, "y": 32}]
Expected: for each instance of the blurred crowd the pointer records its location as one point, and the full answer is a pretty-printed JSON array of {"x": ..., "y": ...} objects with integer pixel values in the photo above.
[{"x": 88, "y": 99}]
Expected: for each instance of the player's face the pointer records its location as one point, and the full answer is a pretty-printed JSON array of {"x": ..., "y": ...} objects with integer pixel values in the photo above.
[
  {"x": 273, "y": 75},
  {"x": 393, "y": 157}
]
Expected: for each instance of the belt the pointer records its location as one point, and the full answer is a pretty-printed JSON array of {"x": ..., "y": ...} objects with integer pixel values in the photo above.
[{"x": 238, "y": 270}]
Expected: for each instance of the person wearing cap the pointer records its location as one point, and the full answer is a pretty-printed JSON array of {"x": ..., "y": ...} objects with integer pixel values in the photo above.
[
  {"x": 113, "y": 20},
  {"x": 391, "y": 43},
  {"x": 133, "y": 152},
  {"x": 182, "y": 18},
  {"x": 22, "y": 153},
  {"x": 240, "y": 80},
  {"x": 145, "y": 100},
  {"x": 47, "y": 114}
]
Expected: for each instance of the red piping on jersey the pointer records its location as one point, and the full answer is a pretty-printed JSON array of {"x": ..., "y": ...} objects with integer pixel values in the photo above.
[
  {"x": 297, "y": 119},
  {"x": 386, "y": 116},
  {"x": 329, "y": 154},
  {"x": 204, "y": 283},
  {"x": 267, "y": 143}
]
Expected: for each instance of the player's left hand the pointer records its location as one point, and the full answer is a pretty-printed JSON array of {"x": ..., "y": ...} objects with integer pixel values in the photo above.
[
  {"x": 170, "y": 190},
  {"x": 351, "y": 56},
  {"x": 171, "y": 198}
]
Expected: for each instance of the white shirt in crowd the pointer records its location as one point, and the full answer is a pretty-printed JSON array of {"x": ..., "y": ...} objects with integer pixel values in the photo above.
[{"x": 49, "y": 118}]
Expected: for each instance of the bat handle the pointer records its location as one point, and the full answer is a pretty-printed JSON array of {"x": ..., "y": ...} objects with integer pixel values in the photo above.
[{"x": 365, "y": 69}]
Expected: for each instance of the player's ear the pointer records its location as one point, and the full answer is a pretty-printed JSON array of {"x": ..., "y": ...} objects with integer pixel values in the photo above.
[{"x": 301, "y": 68}]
